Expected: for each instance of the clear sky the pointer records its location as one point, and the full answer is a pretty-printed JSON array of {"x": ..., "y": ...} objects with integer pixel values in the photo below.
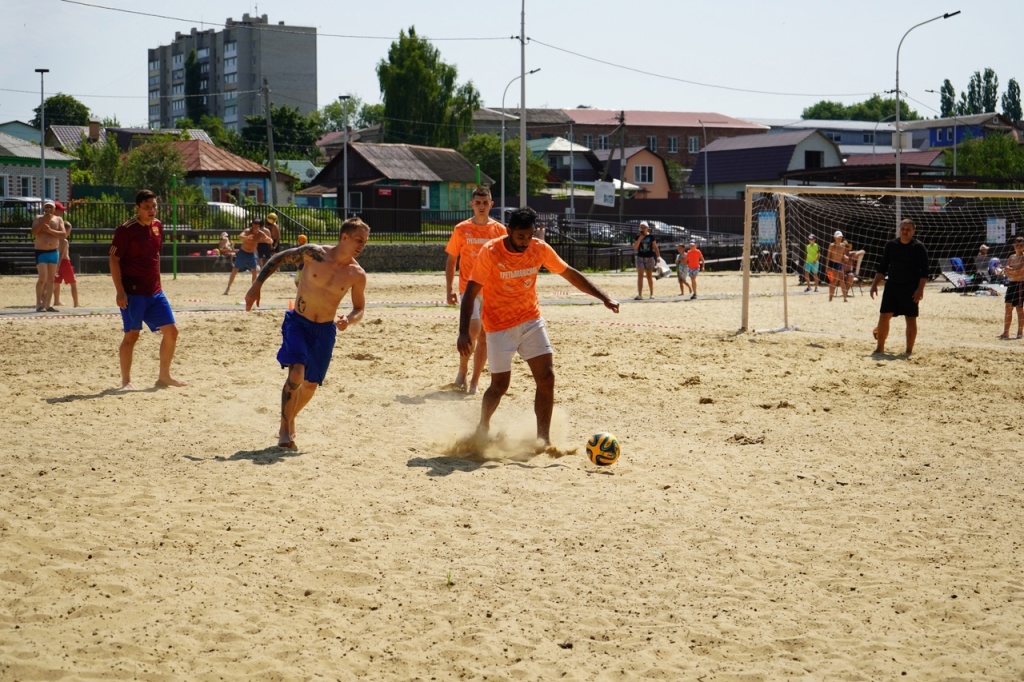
[{"x": 744, "y": 58}]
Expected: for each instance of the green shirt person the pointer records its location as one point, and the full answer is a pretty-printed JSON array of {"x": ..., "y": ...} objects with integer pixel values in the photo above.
[{"x": 811, "y": 263}]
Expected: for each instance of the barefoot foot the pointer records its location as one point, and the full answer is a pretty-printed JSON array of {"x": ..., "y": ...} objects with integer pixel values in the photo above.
[{"x": 169, "y": 382}]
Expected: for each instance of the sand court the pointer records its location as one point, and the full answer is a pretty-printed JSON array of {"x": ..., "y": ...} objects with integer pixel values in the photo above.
[{"x": 786, "y": 504}]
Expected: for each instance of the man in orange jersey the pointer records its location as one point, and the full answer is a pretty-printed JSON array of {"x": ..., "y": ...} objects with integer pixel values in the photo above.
[
  {"x": 467, "y": 239},
  {"x": 506, "y": 272}
]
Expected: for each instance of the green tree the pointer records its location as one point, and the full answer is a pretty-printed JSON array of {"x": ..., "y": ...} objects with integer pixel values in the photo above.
[
  {"x": 152, "y": 165},
  {"x": 331, "y": 117},
  {"x": 873, "y": 109},
  {"x": 947, "y": 99},
  {"x": 484, "y": 149},
  {"x": 370, "y": 115},
  {"x": 423, "y": 104},
  {"x": 97, "y": 164},
  {"x": 62, "y": 110},
  {"x": 995, "y": 155},
  {"x": 1011, "y": 102},
  {"x": 194, "y": 107},
  {"x": 989, "y": 91},
  {"x": 295, "y": 135}
]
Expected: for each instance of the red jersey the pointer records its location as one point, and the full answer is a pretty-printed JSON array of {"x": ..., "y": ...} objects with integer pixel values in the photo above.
[
  {"x": 465, "y": 243},
  {"x": 138, "y": 246},
  {"x": 509, "y": 282}
]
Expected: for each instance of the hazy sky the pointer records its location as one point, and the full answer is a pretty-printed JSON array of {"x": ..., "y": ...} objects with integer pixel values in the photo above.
[{"x": 744, "y": 58}]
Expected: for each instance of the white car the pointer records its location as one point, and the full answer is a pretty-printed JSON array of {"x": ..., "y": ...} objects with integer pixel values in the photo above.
[{"x": 233, "y": 210}]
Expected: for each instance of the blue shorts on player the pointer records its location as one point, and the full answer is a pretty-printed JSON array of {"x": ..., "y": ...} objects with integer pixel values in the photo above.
[
  {"x": 154, "y": 310},
  {"x": 245, "y": 261},
  {"x": 307, "y": 343}
]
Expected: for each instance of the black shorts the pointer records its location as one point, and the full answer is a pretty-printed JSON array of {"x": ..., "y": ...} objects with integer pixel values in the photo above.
[
  {"x": 1015, "y": 294},
  {"x": 898, "y": 299},
  {"x": 264, "y": 251}
]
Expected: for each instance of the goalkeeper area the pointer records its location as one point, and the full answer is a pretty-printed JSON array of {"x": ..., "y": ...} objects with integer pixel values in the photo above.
[{"x": 951, "y": 223}]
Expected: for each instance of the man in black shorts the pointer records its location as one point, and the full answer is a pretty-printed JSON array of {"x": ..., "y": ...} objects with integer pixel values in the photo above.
[{"x": 905, "y": 261}]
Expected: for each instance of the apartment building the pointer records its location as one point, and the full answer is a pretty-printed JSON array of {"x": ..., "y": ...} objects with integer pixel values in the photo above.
[{"x": 233, "y": 63}]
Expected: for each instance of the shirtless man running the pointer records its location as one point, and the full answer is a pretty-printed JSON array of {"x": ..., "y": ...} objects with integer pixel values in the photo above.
[
  {"x": 309, "y": 331},
  {"x": 47, "y": 230},
  {"x": 245, "y": 258}
]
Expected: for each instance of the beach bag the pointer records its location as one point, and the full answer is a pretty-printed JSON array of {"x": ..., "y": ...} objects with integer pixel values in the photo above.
[{"x": 662, "y": 269}]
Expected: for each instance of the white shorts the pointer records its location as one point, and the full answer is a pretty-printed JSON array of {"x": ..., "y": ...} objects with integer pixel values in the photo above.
[{"x": 529, "y": 338}]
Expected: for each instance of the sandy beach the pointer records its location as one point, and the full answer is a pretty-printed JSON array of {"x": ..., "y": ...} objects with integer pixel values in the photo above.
[{"x": 786, "y": 505}]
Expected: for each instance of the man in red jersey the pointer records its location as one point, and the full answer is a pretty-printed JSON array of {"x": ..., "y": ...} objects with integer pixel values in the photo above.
[
  {"x": 467, "y": 239},
  {"x": 506, "y": 272},
  {"x": 135, "y": 269}
]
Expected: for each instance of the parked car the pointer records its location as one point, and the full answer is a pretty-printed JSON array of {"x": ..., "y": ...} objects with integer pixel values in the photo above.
[
  {"x": 233, "y": 210},
  {"x": 19, "y": 211}
]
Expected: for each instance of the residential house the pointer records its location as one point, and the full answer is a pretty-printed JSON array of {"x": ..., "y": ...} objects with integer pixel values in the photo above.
[
  {"x": 566, "y": 159},
  {"x": 726, "y": 166},
  {"x": 443, "y": 179},
  {"x": 21, "y": 172},
  {"x": 643, "y": 168},
  {"x": 853, "y": 137},
  {"x": 943, "y": 133},
  {"x": 67, "y": 137},
  {"x": 331, "y": 143},
  {"x": 22, "y": 130},
  {"x": 224, "y": 176}
]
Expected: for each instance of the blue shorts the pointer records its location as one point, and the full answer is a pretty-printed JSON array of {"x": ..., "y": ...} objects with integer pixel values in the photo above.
[
  {"x": 154, "y": 310},
  {"x": 693, "y": 271},
  {"x": 306, "y": 343},
  {"x": 51, "y": 257},
  {"x": 811, "y": 268},
  {"x": 245, "y": 261}
]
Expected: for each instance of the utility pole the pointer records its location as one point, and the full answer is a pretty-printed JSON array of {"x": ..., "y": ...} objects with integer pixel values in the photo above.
[
  {"x": 270, "y": 144},
  {"x": 622, "y": 166}
]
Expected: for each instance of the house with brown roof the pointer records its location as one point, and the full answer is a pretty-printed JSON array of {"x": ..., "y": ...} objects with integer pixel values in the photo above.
[
  {"x": 643, "y": 168},
  {"x": 379, "y": 175},
  {"x": 224, "y": 176}
]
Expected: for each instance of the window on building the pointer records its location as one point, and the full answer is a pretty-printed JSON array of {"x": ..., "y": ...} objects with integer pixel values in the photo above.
[
  {"x": 588, "y": 141},
  {"x": 602, "y": 142},
  {"x": 178, "y": 89},
  {"x": 643, "y": 175},
  {"x": 154, "y": 113},
  {"x": 203, "y": 53},
  {"x": 673, "y": 144},
  {"x": 835, "y": 137},
  {"x": 154, "y": 94},
  {"x": 230, "y": 95},
  {"x": 230, "y": 64},
  {"x": 177, "y": 60},
  {"x": 813, "y": 159},
  {"x": 51, "y": 188},
  {"x": 869, "y": 138},
  {"x": 3, "y": 186},
  {"x": 204, "y": 68},
  {"x": 949, "y": 135},
  {"x": 231, "y": 78},
  {"x": 178, "y": 74},
  {"x": 25, "y": 186},
  {"x": 154, "y": 65},
  {"x": 231, "y": 113},
  {"x": 693, "y": 144},
  {"x": 939, "y": 135},
  {"x": 230, "y": 48},
  {"x": 154, "y": 80},
  {"x": 424, "y": 197},
  {"x": 652, "y": 143}
]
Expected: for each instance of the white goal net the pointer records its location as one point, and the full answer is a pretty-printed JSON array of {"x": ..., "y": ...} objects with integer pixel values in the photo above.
[{"x": 951, "y": 223}]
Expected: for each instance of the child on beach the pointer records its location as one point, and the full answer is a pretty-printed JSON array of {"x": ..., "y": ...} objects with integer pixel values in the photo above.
[
  {"x": 65, "y": 271},
  {"x": 681, "y": 271}
]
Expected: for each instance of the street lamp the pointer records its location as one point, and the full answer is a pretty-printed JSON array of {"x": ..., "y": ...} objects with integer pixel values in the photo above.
[
  {"x": 707, "y": 158},
  {"x": 503, "y": 115},
  {"x": 899, "y": 139},
  {"x": 42, "y": 135},
  {"x": 343, "y": 99},
  {"x": 955, "y": 135}
]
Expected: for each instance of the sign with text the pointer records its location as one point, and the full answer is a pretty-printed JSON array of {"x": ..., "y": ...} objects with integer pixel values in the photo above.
[
  {"x": 766, "y": 227},
  {"x": 604, "y": 194}
]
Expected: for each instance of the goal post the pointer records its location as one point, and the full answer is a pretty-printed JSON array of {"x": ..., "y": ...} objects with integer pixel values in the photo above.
[{"x": 951, "y": 223}]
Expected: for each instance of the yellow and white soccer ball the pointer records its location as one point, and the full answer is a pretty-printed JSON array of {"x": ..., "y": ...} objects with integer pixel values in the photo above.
[{"x": 603, "y": 449}]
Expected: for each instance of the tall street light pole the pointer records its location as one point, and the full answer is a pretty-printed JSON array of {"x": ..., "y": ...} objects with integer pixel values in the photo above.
[
  {"x": 503, "y": 115},
  {"x": 343, "y": 99},
  {"x": 899, "y": 137},
  {"x": 707, "y": 158},
  {"x": 42, "y": 135},
  {"x": 522, "y": 105}
]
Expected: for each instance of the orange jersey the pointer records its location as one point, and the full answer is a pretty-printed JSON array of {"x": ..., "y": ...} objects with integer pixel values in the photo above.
[
  {"x": 693, "y": 258},
  {"x": 465, "y": 243},
  {"x": 509, "y": 282}
]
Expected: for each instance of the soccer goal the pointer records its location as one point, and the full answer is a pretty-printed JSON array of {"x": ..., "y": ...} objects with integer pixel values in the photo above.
[{"x": 952, "y": 223}]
